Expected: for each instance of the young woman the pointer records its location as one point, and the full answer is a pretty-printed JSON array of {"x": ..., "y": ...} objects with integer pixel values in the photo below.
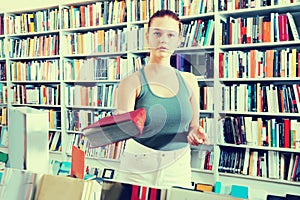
[{"x": 161, "y": 156}]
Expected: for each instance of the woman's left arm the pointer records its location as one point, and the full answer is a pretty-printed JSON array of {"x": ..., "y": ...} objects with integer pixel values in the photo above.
[{"x": 196, "y": 134}]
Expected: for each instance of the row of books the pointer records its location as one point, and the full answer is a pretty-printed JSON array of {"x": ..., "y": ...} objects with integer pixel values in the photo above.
[
  {"x": 284, "y": 133},
  {"x": 95, "y": 95},
  {"x": 142, "y": 9},
  {"x": 267, "y": 164},
  {"x": 203, "y": 160},
  {"x": 237, "y": 5},
  {"x": 38, "y": 21},
  {"x": 261, "y": 98},
  {"x": 63, "y": 168},
  {"x": 3, "y": 136},
  {"x": 3, "y": 93},
  {"x": 95, "y": 68},
  {"x": 198, "y": 32},
  {"x": 36, "y": 46},
  {"x": 2, "y": 71},
  {"x": 26, "y": 184},
  {"x": 200, "y": 64},
  {"x": 35, "y": 94},
  {"x": 100, "y": 41},
  {"x": 55, "y": 141},
  {"x": 94, "y": 14},
  {"x": 35, "y": 70},
  {"x": 54, "y": 119},
  {"x": 260, "y": 63},
  {"x": 3, "y": 116},
  {"x": 78, "y": 119},
  {"x": 206, "y": 96},
  {"x": 110, "y": 151},
  {"x": 1, "y": 24},
  {"x": 207, "y": 123},
  {"x": 2, "y": 50},
  {"x": 270, "y": 28}
]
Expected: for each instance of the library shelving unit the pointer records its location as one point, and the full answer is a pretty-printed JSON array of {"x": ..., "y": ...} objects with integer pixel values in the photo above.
[
  {"x": 72, "y": 65},
  {"x": 33, "y": 64},
  {"x": 258, "y": 82},
  {"x": 93, "y": 56},
  {"x": 3, "y": 88}
]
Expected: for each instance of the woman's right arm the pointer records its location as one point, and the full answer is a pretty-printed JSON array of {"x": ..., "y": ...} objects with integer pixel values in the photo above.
[{"x": 126, "y": 94}]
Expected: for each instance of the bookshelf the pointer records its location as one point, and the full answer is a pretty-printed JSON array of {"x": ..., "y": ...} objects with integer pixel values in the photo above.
[
  {"x": 3, "y": 90},
  {"x": 258, "y": 82},
  {"x": 86, "y": 36}
]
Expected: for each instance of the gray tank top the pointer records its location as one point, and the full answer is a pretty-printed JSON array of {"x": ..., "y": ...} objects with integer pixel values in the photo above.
[{"x": 168, "y": 118}]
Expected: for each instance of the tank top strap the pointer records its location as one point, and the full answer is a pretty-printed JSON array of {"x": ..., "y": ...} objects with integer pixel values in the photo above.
[
  {"x": 182, "y": 81},
  {"x": 143, "y": 76}
]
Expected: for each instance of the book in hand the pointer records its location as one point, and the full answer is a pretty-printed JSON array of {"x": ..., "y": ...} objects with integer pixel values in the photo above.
[{"x": 116, "y": 128}]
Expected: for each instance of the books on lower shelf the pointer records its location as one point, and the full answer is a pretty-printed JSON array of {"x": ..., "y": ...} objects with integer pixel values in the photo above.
[
  {"x": 116, "y": 128},
  {"x": 61, "y": 188}
]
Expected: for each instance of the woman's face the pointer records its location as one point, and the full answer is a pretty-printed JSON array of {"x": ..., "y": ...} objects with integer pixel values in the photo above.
[{"x": 163, "y": 35}]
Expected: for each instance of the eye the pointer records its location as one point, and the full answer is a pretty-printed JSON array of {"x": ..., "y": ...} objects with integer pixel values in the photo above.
[
  {"x": 157, "y": 34},
  {"x": 171, "y": 35}
]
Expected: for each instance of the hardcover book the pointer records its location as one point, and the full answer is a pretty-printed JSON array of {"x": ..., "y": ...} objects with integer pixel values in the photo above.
[{"x": 115, "y": 128}]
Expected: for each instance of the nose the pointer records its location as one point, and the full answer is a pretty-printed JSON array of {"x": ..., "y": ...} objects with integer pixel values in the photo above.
[{"x": 164, "y": 38}]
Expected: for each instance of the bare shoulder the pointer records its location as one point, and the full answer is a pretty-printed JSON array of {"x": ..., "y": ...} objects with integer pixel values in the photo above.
[
  {"x": 131, "y": 82},
  {"x": 131, "y": 79}
]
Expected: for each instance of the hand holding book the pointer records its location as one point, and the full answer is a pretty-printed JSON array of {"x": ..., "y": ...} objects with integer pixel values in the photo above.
[{"x": 115, "y": 128}]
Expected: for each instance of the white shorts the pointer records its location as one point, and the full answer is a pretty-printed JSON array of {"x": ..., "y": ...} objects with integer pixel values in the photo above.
[{"x": 145, "y": 166}]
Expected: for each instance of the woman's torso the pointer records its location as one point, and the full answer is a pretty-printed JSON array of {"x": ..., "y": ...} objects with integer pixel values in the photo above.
[{"x": 168, "y": 118}]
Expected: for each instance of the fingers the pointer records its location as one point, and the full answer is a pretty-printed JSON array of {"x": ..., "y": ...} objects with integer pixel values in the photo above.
[
  {"x": 198, "y": 137},
  {"x": 194, "y": 140}
]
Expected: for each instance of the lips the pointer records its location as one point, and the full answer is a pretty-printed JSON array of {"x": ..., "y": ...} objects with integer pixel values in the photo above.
[{"x": 163, "y": 48}]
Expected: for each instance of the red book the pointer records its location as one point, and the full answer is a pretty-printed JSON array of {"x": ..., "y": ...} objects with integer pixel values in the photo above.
[
  {"x": 135, "y": 192},
  {"x": 116, "y": 128},
  {"x": 298, "y": 66},
  {"x": 144, "y": 193},
  {"x": 77, "y": 164},
  {"x": 90, "y": 10},
  {"x": 283, "y": 31},
  {"x": 221, "y": 75},
  {"x": 286, "y": 133},
  {"x": 82, "y": 16},
  {"x": 153, "y": 194}
]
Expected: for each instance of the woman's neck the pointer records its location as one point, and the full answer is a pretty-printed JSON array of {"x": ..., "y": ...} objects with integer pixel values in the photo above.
[
  {"x": 159, "y": 68},
  {"x": 165, "y": 61}
]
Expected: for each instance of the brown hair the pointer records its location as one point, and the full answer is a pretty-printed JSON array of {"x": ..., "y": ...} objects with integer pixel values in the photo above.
[{"x": 163, "y": 13}]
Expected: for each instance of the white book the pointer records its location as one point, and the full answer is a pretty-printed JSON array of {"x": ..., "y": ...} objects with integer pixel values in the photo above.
[
  {"x": 291, "y": 165},
  {"x": 282, "y": 166},
  {"x": 246, "y": 161},
  {"x": 293, "y": 133},
  {"x": 233, "y": 88},
  {"x": 272, "y": 164},
  {"x": 254, "y": 132},
  {"x": 263, "y": 164},
  {"x": 295, "y": 90},
  {"x": 248, "y": 129},
  {"x": 220, "y": 126},
  {"x": 293, "y": 26},
  {"x": 226, "y": 97},
  {"x": 298, "y": 135},
  {"x": 254, "y": 163}
]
